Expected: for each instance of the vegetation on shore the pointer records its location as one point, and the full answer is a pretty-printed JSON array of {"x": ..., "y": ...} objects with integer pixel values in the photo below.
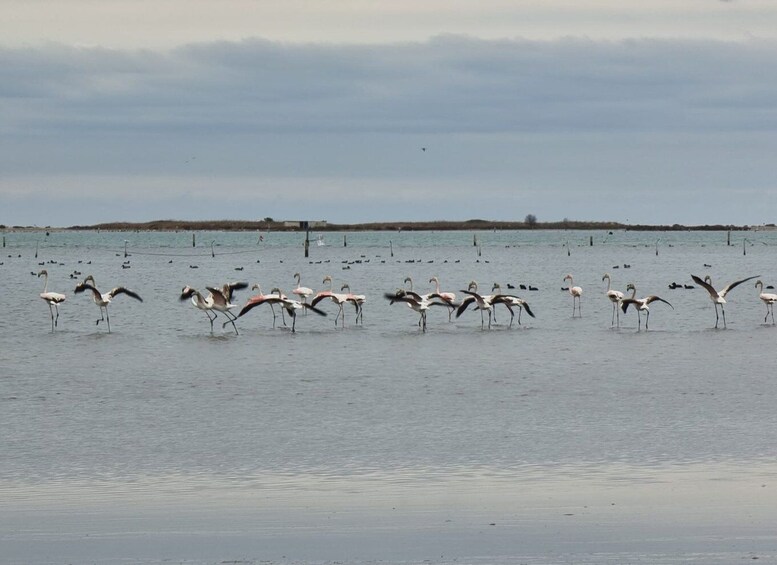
[
  {"x": 268, "y": 224},
  {"x": 442, "y": 225}
]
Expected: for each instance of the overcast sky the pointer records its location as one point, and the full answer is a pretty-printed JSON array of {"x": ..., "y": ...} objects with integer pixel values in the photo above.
[{"x": 356, "y": 111}]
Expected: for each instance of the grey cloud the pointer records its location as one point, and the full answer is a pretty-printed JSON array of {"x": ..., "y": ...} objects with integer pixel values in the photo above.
[
  {"x": 526, "y": 121},
  {"x": 447, "y": 85}
]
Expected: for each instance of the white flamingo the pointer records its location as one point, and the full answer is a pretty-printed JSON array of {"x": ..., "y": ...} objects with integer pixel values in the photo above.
[
  {"x": 302, "y": 291},
  {"x": 719, "y": 297},
  {"x": 641, "y": 304},
  {"x": 357, "y": 300},
  {"x": 768, "y": 298},
  {"x": 277, "y": 297},
  {"x": 204, "y": 303},
  {"x": 222, "y": 301},
  {"x": 103, "y": 300},
  {"x": 615, "y": 296},
  {"x": 482, "y": 303},
  {"x": 510, "y": 301},
  {"x": 576, "y": 293},
  {"x": 53, "y": 299},
  {"x": 337, "y": 298},
  {"x": 449, "y": 297},
  {"x": 415, "y": 301}
]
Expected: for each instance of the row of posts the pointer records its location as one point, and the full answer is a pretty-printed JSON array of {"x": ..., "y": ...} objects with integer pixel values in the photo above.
[{"x": 474, "y": 241}]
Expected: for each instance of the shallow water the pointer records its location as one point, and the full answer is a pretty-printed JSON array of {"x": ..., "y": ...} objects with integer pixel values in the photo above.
[{"x": 379, "y": 442}]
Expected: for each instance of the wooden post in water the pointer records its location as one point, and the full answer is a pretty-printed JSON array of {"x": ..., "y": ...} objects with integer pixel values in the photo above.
[
  {"x": 307, "y": 242},
  {"x": 475, "y": 239},
  {"x": 590, "y": 241},
  {"x": 345, "y": 242},
  {"x": 194, "y": 244},
  {"x": 125, "y": 248},
  {"x": 3, "y": 241},
  {"x": 728, "y": 238},
  {"x": 391, "y": 247}
]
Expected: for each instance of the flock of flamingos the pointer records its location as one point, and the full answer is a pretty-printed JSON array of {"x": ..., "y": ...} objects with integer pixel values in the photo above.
[{"x": 219, "y": 300}]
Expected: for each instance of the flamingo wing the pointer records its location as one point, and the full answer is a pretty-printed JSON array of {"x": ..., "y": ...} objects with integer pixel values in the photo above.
[
  {"x": 713, "y": 293},
  {"x": 128, "y": 292},
  {"x": 81, "y": 287},
  {"x": 464, "y": 305},
  {"x": 654, "y": 298},
  {"x": 313, "y": 309},
  {"x": 734, "y": 284},
  {"x": 626, "y": 301}
]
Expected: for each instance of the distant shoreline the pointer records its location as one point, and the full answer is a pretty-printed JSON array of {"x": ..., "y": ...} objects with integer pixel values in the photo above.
[{"x": 264, "y": 225}]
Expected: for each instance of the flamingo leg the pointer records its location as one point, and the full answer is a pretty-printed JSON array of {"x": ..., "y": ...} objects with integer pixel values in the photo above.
[
  {"x": 647, "y": 319},
  {"x": 230, "y": 320},
  {"x": 723, "y": 311},
  {"x": 52, "y": 317},
  {"x": 272, "y": 308},
  {"x": 283, "y": 317},
  {"x": 107, "y": 319},
  {"x": 207, "y": 313}
]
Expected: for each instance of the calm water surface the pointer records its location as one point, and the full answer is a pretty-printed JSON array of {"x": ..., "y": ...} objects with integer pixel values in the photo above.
[{"x": 160, "y": 418}]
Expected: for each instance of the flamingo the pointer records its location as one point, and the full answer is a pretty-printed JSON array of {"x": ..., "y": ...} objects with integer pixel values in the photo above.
[
  {"x": 449, "y": 297},
  {"x": 768, "y": 298},
  {"x": 277, "y": 297},
  {"x": 641, "y": 304},
  {"x": 576, "y": 293},
  {"x": 222, "y": 300},
  {"x": 201, "y": 302},
  {"x": 338, "y": 299},
  {"x": 51, "y": 298},
  {"x": 103, "y": 300},
  {"x": 615, "y": 297},
  {"x": 415, "y": 301},
  {"x": 719, "y": 297},
  {"x": 302, "y": 291},
  {"x": 482, "y": 303},
  {"x": 357, "y": 300},
  {"x": 510, "y": 300}
]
